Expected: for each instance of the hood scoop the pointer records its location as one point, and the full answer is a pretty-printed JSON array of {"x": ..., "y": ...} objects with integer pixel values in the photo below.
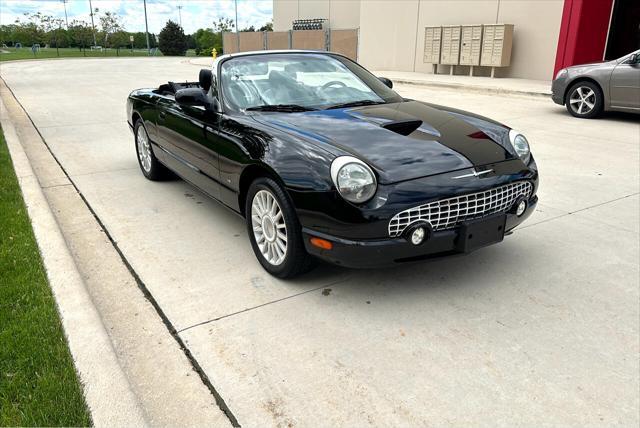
[{"x": 403, "y": 127}]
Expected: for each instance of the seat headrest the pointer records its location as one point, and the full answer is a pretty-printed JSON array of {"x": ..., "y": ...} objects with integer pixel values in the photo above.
[
  {"x": 204, "y": 79},
  {"x": 277, "y": 76}
]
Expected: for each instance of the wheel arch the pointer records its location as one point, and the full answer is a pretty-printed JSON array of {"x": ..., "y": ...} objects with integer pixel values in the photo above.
[
  {"x": 249, "y": 174},
  {"x": 583, "y": 79},
  {"x": 135, "y": 116}
]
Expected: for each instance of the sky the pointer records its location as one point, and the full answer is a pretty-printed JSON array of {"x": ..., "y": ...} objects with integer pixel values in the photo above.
[{"x": 195, "y": 13}]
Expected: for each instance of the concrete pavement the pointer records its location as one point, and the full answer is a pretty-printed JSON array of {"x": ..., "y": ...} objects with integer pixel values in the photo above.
[{"x": 539, "y": 330}]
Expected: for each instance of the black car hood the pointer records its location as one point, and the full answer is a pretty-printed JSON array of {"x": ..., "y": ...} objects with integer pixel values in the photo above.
[{"x": 402, "y": 141}]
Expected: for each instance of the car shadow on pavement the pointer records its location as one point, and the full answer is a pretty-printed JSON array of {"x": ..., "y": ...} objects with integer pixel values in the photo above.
[{"x": 616, "y": 116}]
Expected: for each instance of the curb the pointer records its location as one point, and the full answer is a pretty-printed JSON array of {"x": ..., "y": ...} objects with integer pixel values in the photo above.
[
  {"x": 472, "y": 88},
  {"x": 107, "y": 391}
]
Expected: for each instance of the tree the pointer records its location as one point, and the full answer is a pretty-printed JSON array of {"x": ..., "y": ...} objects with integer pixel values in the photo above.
[
  {"x": 5, "y": 34},
  {"x": 251, "y": 28},
  {"x": 119, "y": 39},
  {"x": 50, "y": 27},
  {"x": 58, "y": 38},
  {"x": 223, "y": 25},
  {"x": 191, "y": 41},
  {"x": 81, "y": 34},
  {"x": 31, "y": 32},
  {"x": 110, "y": 23},
  {"x": 205, "y": 40},
  {"x": 267, "y": 27},
  {"x": 172, "y": 40}
]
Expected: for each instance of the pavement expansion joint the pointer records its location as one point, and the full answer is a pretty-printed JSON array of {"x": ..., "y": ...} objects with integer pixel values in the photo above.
[
  {"x": 581, "y": 210},
  {"x": 332, "y": 284}
]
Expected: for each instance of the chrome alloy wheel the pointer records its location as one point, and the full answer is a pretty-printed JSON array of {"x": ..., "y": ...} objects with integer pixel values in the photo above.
[
  {"x": 269, "y": 228},
  {"x": 582, "y": 100},
  {"x": 144, "y": 149}
]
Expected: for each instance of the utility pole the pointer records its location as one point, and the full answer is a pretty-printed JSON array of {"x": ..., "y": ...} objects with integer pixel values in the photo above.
[
  {"x": 92, "y": 24},
  {"x": 180, "y": 14},
  {"x": 237, "y": 31},
  {"x": 66, "y": 19},
  {"x": 146, "y": 27}
]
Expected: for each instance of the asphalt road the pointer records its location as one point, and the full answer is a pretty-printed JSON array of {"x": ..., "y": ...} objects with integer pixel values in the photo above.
[{"x": 539, "y": 330}]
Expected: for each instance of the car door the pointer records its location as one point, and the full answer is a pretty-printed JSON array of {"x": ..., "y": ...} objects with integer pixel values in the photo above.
[
  {"x": 624, "y": 86},
  {"x": 189, "y": 135}
]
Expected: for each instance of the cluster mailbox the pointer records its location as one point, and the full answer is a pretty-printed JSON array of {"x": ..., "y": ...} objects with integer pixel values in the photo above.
[
  {"x": 472, "y": 45},
  {"x": 496, "y": 45},
  {"x": 432, "y": 37},
  {"x": 450, "y": 53}
]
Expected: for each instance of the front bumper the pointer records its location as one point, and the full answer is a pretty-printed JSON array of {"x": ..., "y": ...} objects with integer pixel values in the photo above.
[
  {"x": 393, "y": 251},
  {"x": 558, "y": 88}
]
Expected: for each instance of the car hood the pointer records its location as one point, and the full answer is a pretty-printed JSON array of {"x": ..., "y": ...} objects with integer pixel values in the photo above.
[
  {"x": 401, "y": 141},
  {"x": 591, "y": 64}
]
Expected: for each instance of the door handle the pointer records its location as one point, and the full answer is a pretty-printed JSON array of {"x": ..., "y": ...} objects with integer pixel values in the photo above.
[{"x": 162, "y": 115}]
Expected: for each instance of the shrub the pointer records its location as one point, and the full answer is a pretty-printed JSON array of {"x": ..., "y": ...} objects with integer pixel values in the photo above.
[{"x": 172, "y": 40}]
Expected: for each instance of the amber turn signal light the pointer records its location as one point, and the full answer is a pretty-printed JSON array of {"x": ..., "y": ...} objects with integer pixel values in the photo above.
[{"x": 321, "y": 243}]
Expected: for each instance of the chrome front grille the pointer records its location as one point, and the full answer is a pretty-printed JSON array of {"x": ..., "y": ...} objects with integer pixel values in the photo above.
[{"x": 449, "y": 213}]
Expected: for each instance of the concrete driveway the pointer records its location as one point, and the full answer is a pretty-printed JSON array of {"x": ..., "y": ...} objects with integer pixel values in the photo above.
[{"x": 539, "y": 330}]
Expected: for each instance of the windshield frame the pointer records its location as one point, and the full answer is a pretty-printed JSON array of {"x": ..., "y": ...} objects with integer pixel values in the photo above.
[
  {"x": 623, "y": 59},
  {"x": 367, "y": 78}
]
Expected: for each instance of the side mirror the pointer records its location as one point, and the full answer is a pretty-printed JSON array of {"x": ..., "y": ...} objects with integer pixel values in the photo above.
[
  {"x": 634, "y": 59},
  {"x": 386, "y": 81},
  {"x": 193, "y": 97}
]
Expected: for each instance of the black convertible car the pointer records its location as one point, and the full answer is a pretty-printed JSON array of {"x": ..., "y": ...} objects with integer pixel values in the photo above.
[{"x": 324, "y": 159}]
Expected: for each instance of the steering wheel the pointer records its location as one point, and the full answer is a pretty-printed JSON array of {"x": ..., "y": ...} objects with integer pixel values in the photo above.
[{"x": 333, "y": 82}]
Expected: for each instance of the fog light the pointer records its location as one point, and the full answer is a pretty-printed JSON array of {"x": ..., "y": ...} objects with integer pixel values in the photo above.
[
  {"x": 522, "y": 206},
  {"x": 417, "y": 236}
]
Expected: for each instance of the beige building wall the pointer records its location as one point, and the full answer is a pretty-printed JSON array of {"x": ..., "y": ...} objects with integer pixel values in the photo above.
[
  {"x": 344, "y": 14},
  {"x": 392, "y": 31},
  {"x": 284, "y": 13},
  {"x": 341, "y": 14},
  {"x": 535, "y": 36},
  {"x": 388, "y": 34},
  {"x": 391, "y": 26}
]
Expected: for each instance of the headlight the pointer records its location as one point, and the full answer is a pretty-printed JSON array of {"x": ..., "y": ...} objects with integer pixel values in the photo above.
[
  {"x": 520, "y": 145},
  {"x": 561, "y": 73},
  {"x": 353, "y": 178}
]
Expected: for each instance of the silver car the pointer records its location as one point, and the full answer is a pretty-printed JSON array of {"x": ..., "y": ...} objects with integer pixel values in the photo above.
[{"x": 588, "y": 89}]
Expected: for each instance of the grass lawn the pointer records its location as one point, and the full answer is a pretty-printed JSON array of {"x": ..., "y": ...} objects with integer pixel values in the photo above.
[
  {"x": 38, "y": 382},
  {"x": 8, "y": 54}
]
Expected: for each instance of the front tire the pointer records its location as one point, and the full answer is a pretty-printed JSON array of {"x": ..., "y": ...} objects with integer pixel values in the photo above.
[
  {"x": 274, "y": 230},
  {"x": 584, "y": 100},
  {"x": 149, "y": 164}
]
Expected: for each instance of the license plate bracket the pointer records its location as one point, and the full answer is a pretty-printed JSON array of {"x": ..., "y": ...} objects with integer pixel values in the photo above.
[{"x": 481, "y": 232}]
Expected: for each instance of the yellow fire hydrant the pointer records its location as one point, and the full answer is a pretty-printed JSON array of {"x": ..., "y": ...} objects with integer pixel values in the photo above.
[{"x": 214, "y": 53}]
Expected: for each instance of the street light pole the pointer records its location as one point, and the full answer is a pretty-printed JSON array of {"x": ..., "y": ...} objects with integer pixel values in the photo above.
[
  {"x": 180, "y": 14},
  {"x": 92, "y": 24},
  {"x": 237, "y": 31},
  {"x": 146, "y": 27},
  {"x": 64, "y": 3}
]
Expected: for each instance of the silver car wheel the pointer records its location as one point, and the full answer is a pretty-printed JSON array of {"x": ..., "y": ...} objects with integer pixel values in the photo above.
[
  {"x": 582, "y": 100},
  {"x": 269, "y": 228},
  {"x": 144, "y": 149}
]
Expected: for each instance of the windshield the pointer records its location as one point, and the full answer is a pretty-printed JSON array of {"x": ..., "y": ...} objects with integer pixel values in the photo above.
[{"x": 306, "y": 81}]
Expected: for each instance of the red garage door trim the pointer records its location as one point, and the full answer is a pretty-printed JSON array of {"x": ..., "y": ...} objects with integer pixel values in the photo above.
[{"x": 583, "y": 32}]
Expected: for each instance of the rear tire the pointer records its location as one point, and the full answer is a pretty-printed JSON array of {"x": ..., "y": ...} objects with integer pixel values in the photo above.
[
  {"x": 274, "y": 230},
  {"x": 149, "y": 164},
  {"x": 584, "y": 100}
]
